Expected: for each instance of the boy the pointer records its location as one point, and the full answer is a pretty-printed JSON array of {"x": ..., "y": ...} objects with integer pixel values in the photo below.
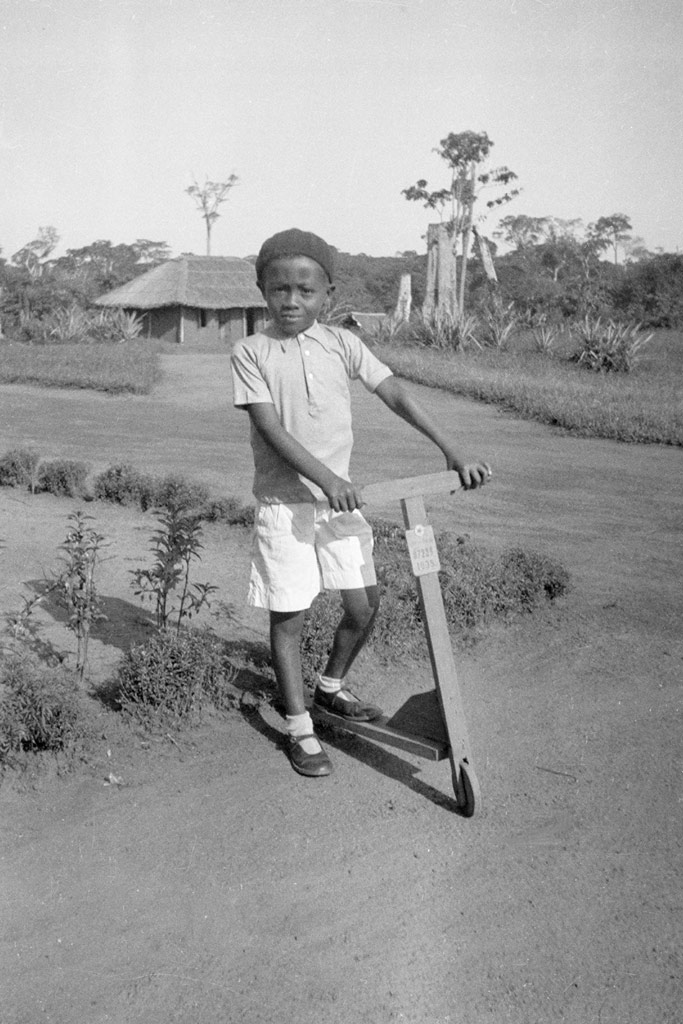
[{"x": 309, "y": 533}]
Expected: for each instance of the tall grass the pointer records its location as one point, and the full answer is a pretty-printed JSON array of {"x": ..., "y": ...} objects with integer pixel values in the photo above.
[
  {"x": 645, "y": 405},
  {"x": 128, "y": 367}
]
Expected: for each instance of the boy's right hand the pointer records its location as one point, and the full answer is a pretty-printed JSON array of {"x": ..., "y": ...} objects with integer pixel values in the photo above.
[{"x": 342, "y": 495}]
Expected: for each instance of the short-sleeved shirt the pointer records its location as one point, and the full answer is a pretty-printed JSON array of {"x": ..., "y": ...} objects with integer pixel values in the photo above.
[{"x": 306, "y": 378}]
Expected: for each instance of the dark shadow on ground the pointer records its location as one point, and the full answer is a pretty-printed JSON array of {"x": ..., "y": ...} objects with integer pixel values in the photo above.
[{"x": 366, "y": 752}]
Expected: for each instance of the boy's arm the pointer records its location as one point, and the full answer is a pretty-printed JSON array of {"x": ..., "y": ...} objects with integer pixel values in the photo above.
[
  {"x": 341, "y": 494},
  {"x": 397, "y": 398}
]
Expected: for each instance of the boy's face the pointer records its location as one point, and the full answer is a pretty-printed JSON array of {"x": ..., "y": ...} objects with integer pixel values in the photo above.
[{"x": 295, "y": 289}]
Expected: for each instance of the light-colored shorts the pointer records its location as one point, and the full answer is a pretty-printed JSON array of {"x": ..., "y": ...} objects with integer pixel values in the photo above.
[{"x": 299, "y": 550}]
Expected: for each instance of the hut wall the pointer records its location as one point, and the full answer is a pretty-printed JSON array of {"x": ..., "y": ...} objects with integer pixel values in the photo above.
[{"x": 161, "y": 324}]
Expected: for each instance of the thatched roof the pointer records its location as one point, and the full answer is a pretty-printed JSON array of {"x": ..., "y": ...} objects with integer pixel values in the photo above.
[{"x": 202, "y": 282}]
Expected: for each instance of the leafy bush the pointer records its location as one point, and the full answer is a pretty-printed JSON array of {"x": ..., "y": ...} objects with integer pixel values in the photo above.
[
  {"x": 167, "y": 679},
  {"x": 39, "y": 709},
  {"x": 477, "y": 588},
  {"x": 228, "y": 510},
  {"x": 175, "y": 493},
  {"x": 124, "y": 485},
  {"x": 443, "y": 331},
  {"x": 73, "y": 325},
  {"x": 175, "y": 545},
  {"x": 609, "y": 346},
  {"x": 18, "y": 467},
  {"x": 62, "y": 477},
  {"x": 500, "y": 323}
]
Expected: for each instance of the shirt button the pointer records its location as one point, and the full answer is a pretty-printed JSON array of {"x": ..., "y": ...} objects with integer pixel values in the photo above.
[
  {"x": 307, "y": 352},
  {"x": 310, "y": 376}
]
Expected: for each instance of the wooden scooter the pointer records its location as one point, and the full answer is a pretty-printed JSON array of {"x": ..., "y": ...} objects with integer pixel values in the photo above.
[{"x": 431, "y": 725}]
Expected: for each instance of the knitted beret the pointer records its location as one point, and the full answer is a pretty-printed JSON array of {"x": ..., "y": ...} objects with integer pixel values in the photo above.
[{"x": 295, "y": 243}]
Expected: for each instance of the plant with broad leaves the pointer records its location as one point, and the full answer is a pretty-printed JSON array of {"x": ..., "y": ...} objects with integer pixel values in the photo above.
[
  {"x": 75, "y": 584},
  {"x": 175, "y": 546}
]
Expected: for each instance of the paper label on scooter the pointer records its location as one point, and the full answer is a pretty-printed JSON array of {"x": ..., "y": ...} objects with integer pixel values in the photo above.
[{"x": 424, "y": 556}]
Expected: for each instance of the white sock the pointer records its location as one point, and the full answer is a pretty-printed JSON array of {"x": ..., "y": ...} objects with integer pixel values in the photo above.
[
  {"x": 328, "y": 685},
  {"x": 302, "y": 725}
]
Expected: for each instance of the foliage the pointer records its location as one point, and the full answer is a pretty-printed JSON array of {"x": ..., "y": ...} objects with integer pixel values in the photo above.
[
  {"x": 444, "y": 331},
  {"x": 545, "y": 334},
  {"x": 72, "y": 325},
  {"x": 114, "y": 369},
  {"x": 464, "y": 155},
  {"x": 65, "y": 478},
  {"x": 477, "y": 588},
  {"x": 228, "y": 510},
  {"x": 175, "y": 546},
  {"x": 39, "y": 708},
  {"x": 75, "y": 584},
  {"x": 500, "y": 323},
  {"x": 609, "y": 346},
  {"x": 166, "y": 679},
  {"x": 651, "y": 291},
  {"x": 18, "y": 468},
  {"x": 208, "y": 197},
  {"x": 122, "y": 484},
  {"x": 176, "y": 494}
]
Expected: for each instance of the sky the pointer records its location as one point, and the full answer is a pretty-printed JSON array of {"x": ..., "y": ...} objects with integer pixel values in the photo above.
[{"x": 326, "y": 110}]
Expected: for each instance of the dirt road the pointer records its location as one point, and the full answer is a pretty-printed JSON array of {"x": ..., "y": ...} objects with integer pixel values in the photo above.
[{"x": 215, "y": 885}]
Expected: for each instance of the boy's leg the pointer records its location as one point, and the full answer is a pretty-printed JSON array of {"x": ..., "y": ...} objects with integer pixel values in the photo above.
[
  {"x": 360, "y": 610},
  {"x": 305, "y": 752}
]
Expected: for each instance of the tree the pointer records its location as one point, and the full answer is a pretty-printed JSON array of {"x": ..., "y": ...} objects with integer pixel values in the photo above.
[
  {"x": 208, "y": 197},
  {"x": 612, "y": 230},
  {"x": 101, "y": 266},
  {"x": 33, "y": 255},
  {"x": 464, "y": 155}
]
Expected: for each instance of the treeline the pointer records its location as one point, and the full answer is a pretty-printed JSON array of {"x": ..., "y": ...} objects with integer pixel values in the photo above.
[{"x": 556, "y": 271}]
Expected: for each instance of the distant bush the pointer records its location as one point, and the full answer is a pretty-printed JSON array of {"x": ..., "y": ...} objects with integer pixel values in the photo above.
[
  {"x": 40, "y": 708},
  {"x": 177, "y": 494},
  {"x": 229, "y": 511},
  {"x": 74, "y": 325},
  {"x": 18, "y": 467},
  {"x": 122, "y": 484},
  {"x": 166, "y": 680},
  {"x": 606, "y": 346},
  {"x": 63, "y": 477}
]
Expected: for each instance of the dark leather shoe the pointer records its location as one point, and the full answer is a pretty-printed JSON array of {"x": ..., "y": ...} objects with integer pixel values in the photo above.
[
  {"x": 357, "y": 709},
  {"x": 313, "y": 765}
]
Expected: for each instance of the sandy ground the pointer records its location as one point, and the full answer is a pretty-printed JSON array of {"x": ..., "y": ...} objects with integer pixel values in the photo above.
[{"x": 214, "y": 885}]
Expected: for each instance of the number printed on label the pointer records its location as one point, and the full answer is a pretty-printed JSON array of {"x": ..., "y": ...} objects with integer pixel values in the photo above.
[{"x": 424, "y": 556}]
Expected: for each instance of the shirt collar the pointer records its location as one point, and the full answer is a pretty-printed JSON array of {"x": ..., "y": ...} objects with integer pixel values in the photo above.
[{"x": 316, "y": 332}]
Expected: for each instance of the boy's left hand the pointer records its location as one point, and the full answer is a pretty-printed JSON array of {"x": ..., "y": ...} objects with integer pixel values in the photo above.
[{"x": 472, "y": 474}]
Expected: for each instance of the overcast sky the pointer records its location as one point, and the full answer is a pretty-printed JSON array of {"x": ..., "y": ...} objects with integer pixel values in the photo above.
[{"x": 326, "y": 109}]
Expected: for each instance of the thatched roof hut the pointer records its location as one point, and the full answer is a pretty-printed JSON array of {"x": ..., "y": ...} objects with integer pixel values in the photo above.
[{"x": 194, "y": 300}]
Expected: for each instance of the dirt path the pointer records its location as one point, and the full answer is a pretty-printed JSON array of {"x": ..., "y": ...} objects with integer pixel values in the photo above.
[{"x": 217, "y": 886}]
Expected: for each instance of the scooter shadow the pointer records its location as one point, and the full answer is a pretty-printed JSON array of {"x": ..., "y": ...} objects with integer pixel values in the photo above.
[{"x": 364, "y": 751}]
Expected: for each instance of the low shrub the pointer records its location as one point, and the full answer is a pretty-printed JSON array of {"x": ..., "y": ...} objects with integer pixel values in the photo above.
[
  {"x": 124, "y": 485},
  {"x": 65, "y": 478},
  {"x": 18, "y": 467},
  {"x": 166, "y": 680},
  {"x": 177, "y": 494},
  {"x": 606, "y": 346},
  {"x": 477, "y": 588},
  {"x": 229, "y": 511},
  {"x": 40, "y": 709}
]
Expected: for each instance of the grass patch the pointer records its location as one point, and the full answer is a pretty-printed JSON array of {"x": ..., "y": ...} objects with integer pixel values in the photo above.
[
  {"x": 644, "y": 406},
  {"x": 115, "y": 369}
]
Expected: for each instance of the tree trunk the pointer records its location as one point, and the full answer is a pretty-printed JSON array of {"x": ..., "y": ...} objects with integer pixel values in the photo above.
[
  {"x": 402, "y": 312},
  {"x": 446, "y": 272},
  {"x": 429, "y": 305}
]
